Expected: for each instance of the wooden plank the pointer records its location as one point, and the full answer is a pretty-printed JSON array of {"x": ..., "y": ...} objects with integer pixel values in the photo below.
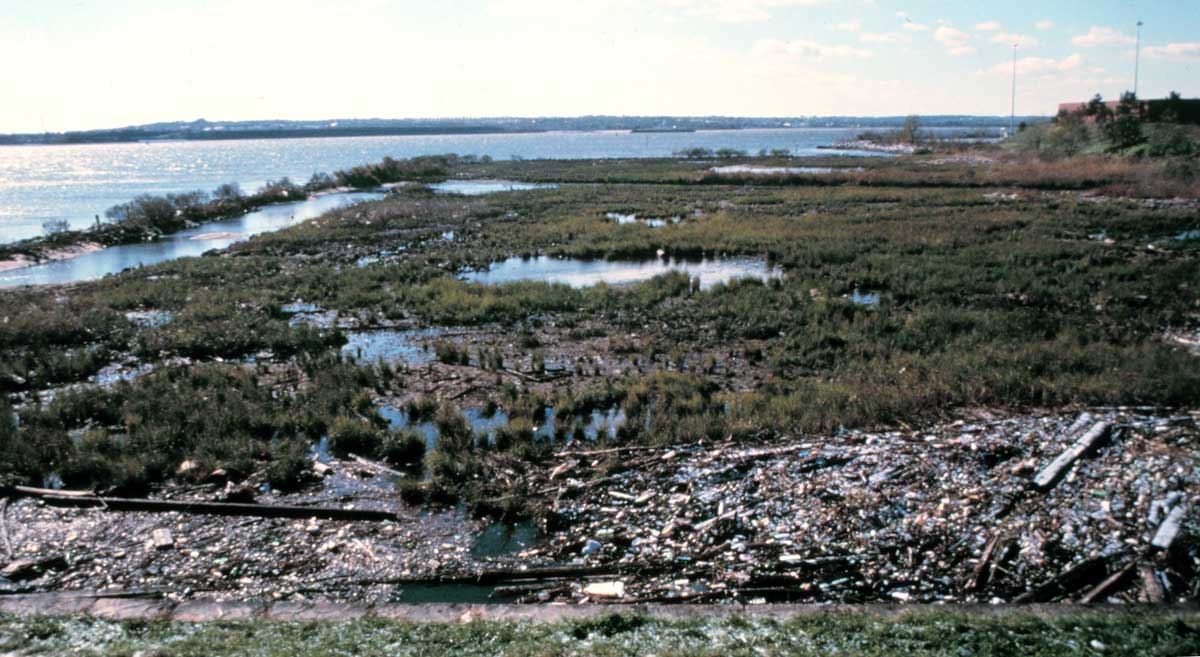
[
  {"x": 983, "y": 570},
  {"x": 1049, "y": 476},
  {"x": 1169, "y": 529}
]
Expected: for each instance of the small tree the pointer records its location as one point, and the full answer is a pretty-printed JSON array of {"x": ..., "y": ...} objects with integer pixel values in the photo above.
[
  {"x": 1097, "y": 109},
  {"x": 145, "y": 211},
  {"x": 228, "y": 192},
  {"x": 912, "y": 126},
  {"x": 187, "y": 200},
  {"x": 55, "y": 226},
  {"x": 1125, "y": 129}
]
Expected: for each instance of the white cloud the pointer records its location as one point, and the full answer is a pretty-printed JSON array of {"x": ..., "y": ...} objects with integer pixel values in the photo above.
[
  {"x": 988, "y": 26},
  {"x": 1102, "y": 36},
  {"x": 801, "y": 48},
  {"x": 1020, "y": 39},
  {"x": 1070, "y": 62},
  {"x": 735, "y": 11},
  {"x": 956, "y": 41},
  {"x": 1037, "y": 66},
  {"x": 912, "y": 26},
  {"x": 847, "y": 26},
  {"x": 884, "y": 37},
  {"x": 1044, "y": 24},
  {"x": 1175, "y": 52}
]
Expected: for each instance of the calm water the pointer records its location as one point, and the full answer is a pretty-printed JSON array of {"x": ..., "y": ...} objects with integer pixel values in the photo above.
[
  {"x": 412, "y": 347},
  {"x": 187, "y": 243},
  {"x": 481, "y": 187},
  {"x": 76, "y": 183},
  {"x": 584, "y": 273}
]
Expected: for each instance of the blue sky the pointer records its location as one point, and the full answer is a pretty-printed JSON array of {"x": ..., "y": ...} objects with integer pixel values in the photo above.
[{"x": 85, "y": 64}]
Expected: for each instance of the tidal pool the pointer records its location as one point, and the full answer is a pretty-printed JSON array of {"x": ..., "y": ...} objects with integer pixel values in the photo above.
[
  {"x": 780, "y": 171},
  {"x": 625, "y": 219},
  {"x": 411, "y": 347},
  {"x": 592, "y": 426},
  {"x": 865, "y": 297},
  {"x": 480, "y": 187},
  {"x": 584, "y": 273}
]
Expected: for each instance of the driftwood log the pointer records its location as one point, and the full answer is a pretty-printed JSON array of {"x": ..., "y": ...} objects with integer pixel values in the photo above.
[{"x": 87, "y": 499}]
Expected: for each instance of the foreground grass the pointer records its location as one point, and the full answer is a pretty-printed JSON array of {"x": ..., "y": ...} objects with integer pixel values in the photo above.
[{"x": 915, "y": 634}]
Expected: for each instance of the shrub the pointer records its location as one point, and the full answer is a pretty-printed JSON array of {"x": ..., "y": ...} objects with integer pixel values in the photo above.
[
  {"x": 290, "y": 467},
  {"x": 55, "y": 226},
  {"x": 146, "y": 212},
  {"x": 450, "y": 353},
  {"x": 1171, "y": 140},
  {"x": 403, "y": 447},
  {"x": 355, "y": 436}
]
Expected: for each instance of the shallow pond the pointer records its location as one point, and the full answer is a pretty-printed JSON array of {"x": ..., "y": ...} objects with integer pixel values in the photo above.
[
  {"x": 583, "y": 273},
  {"x": 480, "y": 187},
  {"x": 592, "y": 426},
  {"x": 454, "y": 592},
  {"x": 625, "y": 219},
  {"x": 780, "y": 171},
  {"x": 192, "y": 242},
  {"x": 412, "y": 347},
  {"x": 502, "y": 538},
  {"x": 865, "y": 297}
]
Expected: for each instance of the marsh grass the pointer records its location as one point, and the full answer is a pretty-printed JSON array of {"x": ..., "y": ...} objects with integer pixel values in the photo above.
[
  {"x": 916, "y": 633},
  {"x": 982, "y": 301}
]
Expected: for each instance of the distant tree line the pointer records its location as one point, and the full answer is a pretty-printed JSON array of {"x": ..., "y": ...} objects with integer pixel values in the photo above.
[{"x": 1133, "y": 127}]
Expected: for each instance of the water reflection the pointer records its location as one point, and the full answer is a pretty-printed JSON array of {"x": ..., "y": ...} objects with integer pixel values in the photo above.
[
  {"x": 193, "y": 242},
  {"x": 583, "y": 273},
  {"x": 411, "y": 347},
  {"x": 480, "y": 187}
]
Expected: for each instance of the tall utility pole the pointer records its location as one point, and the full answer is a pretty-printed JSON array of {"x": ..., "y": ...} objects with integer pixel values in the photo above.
[
  {"x": 1012, "y": 116},
  {"x": 1137, "y": 55}
]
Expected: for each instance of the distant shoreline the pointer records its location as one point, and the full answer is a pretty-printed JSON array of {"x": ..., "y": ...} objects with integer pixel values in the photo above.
[{"x": 248, "y": 130}]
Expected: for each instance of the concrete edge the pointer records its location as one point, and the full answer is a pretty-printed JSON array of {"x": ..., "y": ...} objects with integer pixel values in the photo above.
[{"x": 98, "y": 605}]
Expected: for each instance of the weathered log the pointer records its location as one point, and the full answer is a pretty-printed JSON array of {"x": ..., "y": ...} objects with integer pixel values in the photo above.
[
  {"x": 1108, "y": 587},
  {"x": 1152, "y": 588},
  {"x": 1049, "y": 476},
  {"x": 1066, "y": 582},
  {"x": 377, "y": 466},
  {"x": 8, "y": 548},
  {"x": 74, "y": 499},
  {"x": 983, "y": 569},
  {"x": 1169, "y": 529}
]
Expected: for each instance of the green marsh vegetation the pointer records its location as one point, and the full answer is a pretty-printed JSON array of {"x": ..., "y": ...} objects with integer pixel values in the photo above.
[
  {"x": 996, "y": 284},
  {"x": 914, "y": 633}
]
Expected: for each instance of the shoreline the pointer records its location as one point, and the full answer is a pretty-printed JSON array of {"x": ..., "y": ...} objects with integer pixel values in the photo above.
[{"x": 21, "y": 261}]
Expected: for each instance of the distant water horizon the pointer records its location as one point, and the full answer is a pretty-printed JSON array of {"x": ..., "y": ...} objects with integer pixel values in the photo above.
[{"x": 76, "y": 183}]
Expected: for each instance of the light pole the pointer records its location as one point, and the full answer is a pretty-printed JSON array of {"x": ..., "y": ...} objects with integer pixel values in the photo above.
[
  {"x": 1137, "y": 54},
  {"x": 1012, "y": 115}
]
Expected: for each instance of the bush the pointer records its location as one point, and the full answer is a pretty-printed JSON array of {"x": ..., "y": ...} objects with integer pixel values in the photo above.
[
  {"x": 1171, "y": 140},
  {"x": 403, "y": 447},
  {"x": 55, "y": 226},
  {"x": 146, "y": 212},
  {"x": 355, "y": 436},
  {"x": 290, "y": 467},
  {"x": 451, "y": 354}
]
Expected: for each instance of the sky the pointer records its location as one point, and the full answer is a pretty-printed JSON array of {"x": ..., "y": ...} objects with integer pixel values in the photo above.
[{"x": 83, "y": 64}]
